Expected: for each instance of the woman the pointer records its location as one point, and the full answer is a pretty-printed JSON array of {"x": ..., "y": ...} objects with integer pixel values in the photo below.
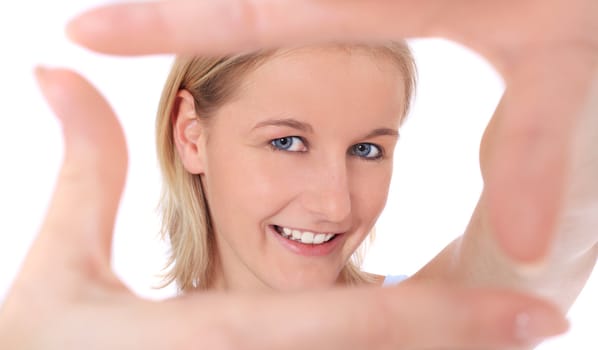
[
  {"x": 88, "y": 283},
  {"x": 327, "y": 117}
]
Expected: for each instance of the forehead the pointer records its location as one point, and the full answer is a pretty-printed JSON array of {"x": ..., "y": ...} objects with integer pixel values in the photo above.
[
  {"x": 336, "y": 82},
  {"x": 320, "y": 63}
]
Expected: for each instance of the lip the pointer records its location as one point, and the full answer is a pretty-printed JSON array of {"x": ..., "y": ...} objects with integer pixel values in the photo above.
[{"x": 307, "y": 249}]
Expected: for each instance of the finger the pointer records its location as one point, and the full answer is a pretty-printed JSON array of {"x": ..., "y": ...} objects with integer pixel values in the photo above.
[
  {"x": 217, "y": 26},
  {"x": 82, "y": 211},
  {"x": 406, "y": 317},
  {"x": 529, "y": 156}
]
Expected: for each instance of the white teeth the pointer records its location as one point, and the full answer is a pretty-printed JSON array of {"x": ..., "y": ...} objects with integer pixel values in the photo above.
[
  {"x": 296, "y": 235},
  {"x": 319, "y": 238},
  {"x": 305, "y": 237}
]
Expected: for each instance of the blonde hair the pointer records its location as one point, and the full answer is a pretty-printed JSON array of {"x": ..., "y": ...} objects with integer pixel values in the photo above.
[{"x": 185, "y": 212}]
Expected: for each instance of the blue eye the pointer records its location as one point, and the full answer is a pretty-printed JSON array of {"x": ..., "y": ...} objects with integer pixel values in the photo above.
[
  {"x": 289, "y": 144},
  {"x": 366, "y": 150}
]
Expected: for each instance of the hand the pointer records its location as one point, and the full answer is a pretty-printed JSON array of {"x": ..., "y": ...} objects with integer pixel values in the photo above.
[
  {"x": 576, "y": 234},
  {"x": 546, "y": 50},
  {"x": 67, "y": 297}
]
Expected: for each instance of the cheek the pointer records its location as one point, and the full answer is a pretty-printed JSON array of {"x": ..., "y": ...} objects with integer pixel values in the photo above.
[
  {"x": 248, "y": 186},
  {"x": 369, "y": 187}
]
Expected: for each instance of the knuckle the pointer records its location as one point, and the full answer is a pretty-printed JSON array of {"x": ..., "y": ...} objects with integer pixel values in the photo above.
[
  {"x": 250, "y": 15},
  {"x": 386, "y": 326}
]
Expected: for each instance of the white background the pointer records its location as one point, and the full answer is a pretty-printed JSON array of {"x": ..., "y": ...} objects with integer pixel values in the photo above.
[{"x": 436, "y": 167}]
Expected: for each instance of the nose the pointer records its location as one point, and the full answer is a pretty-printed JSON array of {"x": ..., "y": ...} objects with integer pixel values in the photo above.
[{"x": 328, "y": 196}]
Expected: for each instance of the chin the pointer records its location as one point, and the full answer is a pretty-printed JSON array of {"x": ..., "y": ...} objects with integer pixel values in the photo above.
[{"x": 303, "y": 283}]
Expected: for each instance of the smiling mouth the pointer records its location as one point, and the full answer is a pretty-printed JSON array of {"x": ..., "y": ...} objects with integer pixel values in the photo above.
[{"x": 305, "y": 237}]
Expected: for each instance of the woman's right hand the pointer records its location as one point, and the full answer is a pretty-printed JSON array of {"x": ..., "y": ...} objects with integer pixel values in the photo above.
[{"x": 67, "y": 297}]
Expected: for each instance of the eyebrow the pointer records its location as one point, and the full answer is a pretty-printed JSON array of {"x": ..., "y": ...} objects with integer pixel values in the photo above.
[
  {"x": 288, "y": 122},
  {"x": 382, "y": 132},
  {"x": 305, "y": 127}
]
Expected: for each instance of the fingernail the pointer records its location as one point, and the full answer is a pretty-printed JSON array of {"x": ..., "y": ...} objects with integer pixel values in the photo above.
[
  {"x": 83, "y": 22},
  {"x": 92, "y": 23},
  {"x": 40, "y": 73},
  {"x": 537, "y": 324},
  {"x": 43, "y": 76},
  {"x": 532, "y": 269}
]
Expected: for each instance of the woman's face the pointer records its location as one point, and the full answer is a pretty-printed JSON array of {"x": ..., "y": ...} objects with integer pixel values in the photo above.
[{"x": 297, "y": 166}]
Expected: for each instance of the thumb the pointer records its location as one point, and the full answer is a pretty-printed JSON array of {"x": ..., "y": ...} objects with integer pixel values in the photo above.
[{"x": 79, "y": 223}]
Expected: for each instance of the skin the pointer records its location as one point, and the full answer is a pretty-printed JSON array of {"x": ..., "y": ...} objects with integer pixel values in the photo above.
[
  {"x": 318, "y": 185},
  {"x": 533, "y": 139}
]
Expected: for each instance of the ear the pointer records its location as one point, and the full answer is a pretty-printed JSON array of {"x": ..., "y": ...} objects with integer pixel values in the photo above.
[{"x": 188, "y": 133}]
